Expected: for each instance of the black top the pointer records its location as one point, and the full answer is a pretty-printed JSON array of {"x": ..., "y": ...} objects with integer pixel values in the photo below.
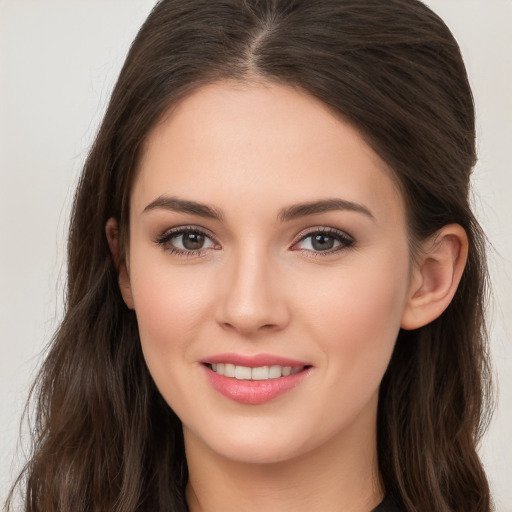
[{"x": 388, "y": 504}]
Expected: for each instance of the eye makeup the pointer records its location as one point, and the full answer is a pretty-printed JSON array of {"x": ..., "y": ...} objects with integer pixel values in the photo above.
[
  {"x": 186, "y": 241},
  {"x": 190, "y": 241},
  {"x": 323, "y": 241}
]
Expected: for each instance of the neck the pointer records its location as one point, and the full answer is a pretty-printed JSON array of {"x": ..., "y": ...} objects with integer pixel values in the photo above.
[{"x": 342, "y": 474}]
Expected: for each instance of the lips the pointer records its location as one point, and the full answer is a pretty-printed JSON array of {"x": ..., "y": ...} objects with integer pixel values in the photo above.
[{"x": 254, "y": 379}]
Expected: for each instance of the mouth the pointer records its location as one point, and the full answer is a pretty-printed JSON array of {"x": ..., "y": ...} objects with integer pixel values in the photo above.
[
  {"x": 249, "y": 380},
  {"x": 257, "y": 373}
]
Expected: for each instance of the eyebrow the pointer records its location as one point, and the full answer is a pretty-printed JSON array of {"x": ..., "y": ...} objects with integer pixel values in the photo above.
[
  {"x": 184, "y": 206},
  {"x": 325, "y": 205},
  {"x": 286, "y": 214}
]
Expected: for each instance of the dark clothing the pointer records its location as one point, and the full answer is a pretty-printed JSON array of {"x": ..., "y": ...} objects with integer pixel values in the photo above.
[{"x": 388, "y": 505}]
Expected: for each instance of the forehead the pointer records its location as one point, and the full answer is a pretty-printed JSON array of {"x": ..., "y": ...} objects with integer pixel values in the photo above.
[{"x": 236, "y": 143}]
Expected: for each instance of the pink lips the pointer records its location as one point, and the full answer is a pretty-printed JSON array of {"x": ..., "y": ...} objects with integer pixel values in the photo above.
[
  {"x": 254, "y": 361},
  {"x": 254, "y": 391}
]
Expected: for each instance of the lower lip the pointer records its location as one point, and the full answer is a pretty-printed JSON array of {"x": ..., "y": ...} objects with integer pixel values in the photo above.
[{"x": 254, "y": 391}]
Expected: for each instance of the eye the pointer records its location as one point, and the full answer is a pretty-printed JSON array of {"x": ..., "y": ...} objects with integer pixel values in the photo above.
[
  {"x": 324, "y": 241},
  {"x": 185, "y": 241},
  {"x": 191, "y": 241}
]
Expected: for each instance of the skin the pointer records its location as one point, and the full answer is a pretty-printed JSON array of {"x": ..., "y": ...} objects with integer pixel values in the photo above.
[{"x": 258, "y": 285}]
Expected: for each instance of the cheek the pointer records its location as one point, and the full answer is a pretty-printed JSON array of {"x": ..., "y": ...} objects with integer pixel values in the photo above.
[
  {"x": 171, "y": 307},
  {"x": 356, "y": 319}
]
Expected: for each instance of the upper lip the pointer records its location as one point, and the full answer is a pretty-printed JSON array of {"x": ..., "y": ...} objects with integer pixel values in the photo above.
[{"x": 254, "y": 361}]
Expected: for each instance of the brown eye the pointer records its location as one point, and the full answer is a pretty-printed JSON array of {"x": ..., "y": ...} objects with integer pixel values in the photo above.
[
  {"x": 192, "y": 241},
  {"x": 325, "y": 241},
  {"x": 322, "y": 242},
  {"x": 185, "y": 241}
]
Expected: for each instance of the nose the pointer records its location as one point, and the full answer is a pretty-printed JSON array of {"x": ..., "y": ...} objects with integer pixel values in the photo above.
[{"x": 253, "y": 299}]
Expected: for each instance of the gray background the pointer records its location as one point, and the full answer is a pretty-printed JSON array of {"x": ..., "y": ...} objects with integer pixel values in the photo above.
[{"x": 58, "y": 63}]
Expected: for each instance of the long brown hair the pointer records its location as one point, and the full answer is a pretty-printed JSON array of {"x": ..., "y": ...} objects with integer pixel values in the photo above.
[{"x": 104, "y": 439}]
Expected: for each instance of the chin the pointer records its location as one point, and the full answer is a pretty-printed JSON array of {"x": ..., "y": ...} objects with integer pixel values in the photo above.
[
  {"x": 252, "y": 445},
  {"x": 255, "y": 453}
]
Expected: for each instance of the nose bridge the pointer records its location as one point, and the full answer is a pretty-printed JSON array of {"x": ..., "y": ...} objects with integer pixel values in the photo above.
[{"x": 253, "y": 298}]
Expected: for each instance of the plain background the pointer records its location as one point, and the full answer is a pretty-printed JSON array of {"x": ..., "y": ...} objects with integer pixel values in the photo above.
[{"x": 58, "y": 63}]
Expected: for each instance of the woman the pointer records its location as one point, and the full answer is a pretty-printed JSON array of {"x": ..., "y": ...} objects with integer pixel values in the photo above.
[{"x": 276, "y": 284}]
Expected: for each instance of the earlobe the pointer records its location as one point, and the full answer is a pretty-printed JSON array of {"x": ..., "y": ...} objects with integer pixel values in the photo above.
[
  {"x": 112, "y": 233},
  {"x": 436, "y": 276}
]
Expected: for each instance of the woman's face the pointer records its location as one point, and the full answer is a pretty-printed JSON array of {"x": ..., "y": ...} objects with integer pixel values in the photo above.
[{"x": 268, "y": 242}]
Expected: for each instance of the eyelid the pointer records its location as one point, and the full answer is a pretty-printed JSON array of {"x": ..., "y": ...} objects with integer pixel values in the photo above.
[
  {"x": 346, "y": 240},
  {"x": 165, "y": 236}
]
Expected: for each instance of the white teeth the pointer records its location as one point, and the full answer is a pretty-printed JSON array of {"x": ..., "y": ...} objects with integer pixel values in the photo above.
[
  {"x": 242, "y": 372},
  {"x": 259, "y": 373},
  {"x": 229, "y": 370},
  {"x": 274, "y": 372}
]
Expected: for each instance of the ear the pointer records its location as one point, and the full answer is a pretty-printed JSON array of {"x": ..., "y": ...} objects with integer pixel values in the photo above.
[
  {"x": 435, "y": 276},
  {"x": 112, "y": 232}
]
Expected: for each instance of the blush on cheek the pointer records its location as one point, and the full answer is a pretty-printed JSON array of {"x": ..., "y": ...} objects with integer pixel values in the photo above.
[
  {"x": 171, "y": 309},
  {"x": 360, "y": 324},
  {"x": 164, "y": 297}
]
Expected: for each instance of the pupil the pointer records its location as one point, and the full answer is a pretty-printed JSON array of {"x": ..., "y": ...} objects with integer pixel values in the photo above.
[
  {"x": 322, "y": 242},
  {"x": 192, "y": 241}
]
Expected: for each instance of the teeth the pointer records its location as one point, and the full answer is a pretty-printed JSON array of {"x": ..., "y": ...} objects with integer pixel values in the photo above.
[
  {"x": 274, "y": 372},
  {"x": 259, "y": 373},
  {"x": 229, "y": 370},
  {"x": 242, "y": 372}
]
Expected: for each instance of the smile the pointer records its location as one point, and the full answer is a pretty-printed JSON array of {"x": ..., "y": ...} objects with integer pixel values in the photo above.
[
  {"x": 256, "y": 379},
  {"x": 258, "y": 373}
]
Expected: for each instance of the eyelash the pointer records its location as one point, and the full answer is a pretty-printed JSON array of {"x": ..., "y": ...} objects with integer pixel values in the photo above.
[
  {"x": 345, "y": 241},
  {"x": 163, "y": 240}
]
